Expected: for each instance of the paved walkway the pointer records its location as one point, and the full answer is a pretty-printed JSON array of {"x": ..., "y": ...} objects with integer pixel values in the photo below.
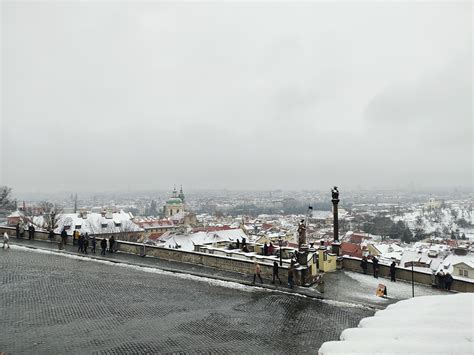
[{"x": 68, "y": 304}]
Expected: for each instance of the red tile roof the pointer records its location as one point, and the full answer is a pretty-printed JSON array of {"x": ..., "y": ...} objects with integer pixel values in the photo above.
[{"x": 351, "y": 249}]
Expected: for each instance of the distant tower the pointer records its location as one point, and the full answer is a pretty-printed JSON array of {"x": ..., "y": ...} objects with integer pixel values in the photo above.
[
  {"x": 174, "y": 205},
  {"x": 181, "y": 194}
]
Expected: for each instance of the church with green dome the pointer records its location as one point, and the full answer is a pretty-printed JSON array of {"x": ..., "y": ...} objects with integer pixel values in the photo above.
[{"x": 175, "y": 204}]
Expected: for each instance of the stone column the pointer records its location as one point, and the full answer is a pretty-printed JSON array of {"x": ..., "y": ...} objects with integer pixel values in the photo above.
[{"x": 335, "y": 200}]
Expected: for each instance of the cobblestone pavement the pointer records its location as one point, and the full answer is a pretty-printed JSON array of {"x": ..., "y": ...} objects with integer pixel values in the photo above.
[{"x": 52, "y": 304}]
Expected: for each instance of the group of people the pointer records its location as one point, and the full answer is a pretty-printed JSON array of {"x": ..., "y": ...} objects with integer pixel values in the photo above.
[
  {"x": 444, "y": 280},
  {"x": 83, "y": 242},
  {"x": 242, "y": 246},
  {"x": 375, "y": 267},
  {"x": 268, "y": 249},
  {"x": 20, "y": 230},
  {"x": 275, "y": 276}
]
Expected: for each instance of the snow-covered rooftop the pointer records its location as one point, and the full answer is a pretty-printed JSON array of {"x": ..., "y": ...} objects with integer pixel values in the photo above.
[{"x": 420, "y": 325}]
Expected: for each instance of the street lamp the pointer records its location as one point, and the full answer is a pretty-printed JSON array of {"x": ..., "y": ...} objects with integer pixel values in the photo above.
[{"x": 280, "y": 243}]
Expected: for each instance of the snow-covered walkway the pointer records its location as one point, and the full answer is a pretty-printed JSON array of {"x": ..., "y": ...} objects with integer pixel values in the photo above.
[{"x": 350, "y": 286}]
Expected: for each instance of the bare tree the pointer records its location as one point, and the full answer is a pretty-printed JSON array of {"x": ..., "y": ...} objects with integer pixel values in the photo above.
[
  {"x": 6, "y": 202},
  {"x": 52, "y": 214}
]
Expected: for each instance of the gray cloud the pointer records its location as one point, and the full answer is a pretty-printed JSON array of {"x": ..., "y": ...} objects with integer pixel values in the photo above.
[{"x": 252, "y": 95}]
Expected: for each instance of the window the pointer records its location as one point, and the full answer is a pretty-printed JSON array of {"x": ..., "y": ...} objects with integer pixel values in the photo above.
[
  {"x": 461, "y": 272},
  {"x": 78, "y": 226},
  {"x": 466, "y": 274}
]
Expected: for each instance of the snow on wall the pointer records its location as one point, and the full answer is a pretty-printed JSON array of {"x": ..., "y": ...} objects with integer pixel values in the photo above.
[{"x": 421, "y": 325}]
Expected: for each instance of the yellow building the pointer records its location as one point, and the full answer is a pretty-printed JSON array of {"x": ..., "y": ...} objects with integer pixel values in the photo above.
[{"x": 326, "y": 260}]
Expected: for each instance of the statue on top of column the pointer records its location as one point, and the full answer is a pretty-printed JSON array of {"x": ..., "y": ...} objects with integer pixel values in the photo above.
[
  {"x": 335, "y": 193},
  {"x": 301, "y": 234}
]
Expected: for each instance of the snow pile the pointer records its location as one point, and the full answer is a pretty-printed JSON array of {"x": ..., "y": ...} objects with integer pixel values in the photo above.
[{"x": 422, "y": 325}]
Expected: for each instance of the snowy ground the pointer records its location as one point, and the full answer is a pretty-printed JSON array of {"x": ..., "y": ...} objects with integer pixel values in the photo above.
[{"x": 353, "y": 287}]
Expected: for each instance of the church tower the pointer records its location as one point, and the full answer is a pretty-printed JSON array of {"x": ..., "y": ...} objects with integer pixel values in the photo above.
[{"x": 175, "y": 204}]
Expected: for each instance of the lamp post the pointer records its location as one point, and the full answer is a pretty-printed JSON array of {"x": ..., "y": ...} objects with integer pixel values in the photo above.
[{"x": 280, "y": 243}]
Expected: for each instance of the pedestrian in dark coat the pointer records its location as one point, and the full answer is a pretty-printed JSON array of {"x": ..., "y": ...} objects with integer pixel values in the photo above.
[
  {"x": 375, "y": 265},
  {"x": 17, "y": 230},
  {"x": 448, "y": 281},
  {"x": 275, "y": 272},
  {"x": 111, "y": 244},
  {"x": 441, "y": 278},
  {"x": 64, "y": 236},
  {"x": 363, "y": 264},
  {"x": 80, "y": 243},
  {"x": 103, "y": 245},
  {"x": 265, "y": 249},
  {"x": 51, "y": 235},
  {"x": 31, "y": 231},
  {"x": 94, "y": 243},
  {"x": 392, "y": 271},
  {"x": 237, "y": 244},
  {"x": 86, "y": 243}
]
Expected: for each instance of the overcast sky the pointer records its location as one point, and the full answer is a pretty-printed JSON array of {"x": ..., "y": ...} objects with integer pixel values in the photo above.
[{"x": 121, "y": 95}]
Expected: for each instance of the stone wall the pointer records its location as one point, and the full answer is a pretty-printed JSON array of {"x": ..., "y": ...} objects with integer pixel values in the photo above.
[
  {"x": 209, "y": 260},
  {"x": 353, "y": 264}
]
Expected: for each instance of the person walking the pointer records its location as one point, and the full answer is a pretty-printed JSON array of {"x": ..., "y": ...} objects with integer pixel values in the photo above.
[
  {"x": 291, "y": 275},
  {"x": 6, "y": 240},
  {"x": 93, "y": 242},
  {"x": 375, "y": 265},
  {"x": 64, "y": 236},
  {"x": 80, "y": 244},
  {"x": 265, "y": 249},
  {"x": 392, "y": 271},
  {"x": 103, "y": 245},
  {"x": 111, "y": 244},
  {"x": 257, "y": 271},
  {"x": 17, "y": 229},
  {"x": 275, "y": 272},
  {"x": 51, "y": 235},
  {"x": 363, "y": 264},
  {"x": 85, "y": 244}
]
